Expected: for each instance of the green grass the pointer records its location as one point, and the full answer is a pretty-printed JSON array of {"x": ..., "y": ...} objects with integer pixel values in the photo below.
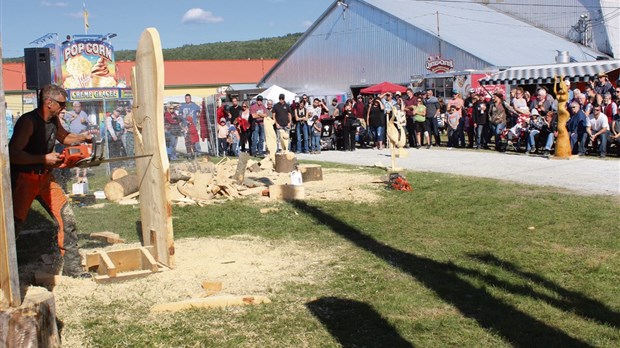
[{"x": 453, "y": 263}]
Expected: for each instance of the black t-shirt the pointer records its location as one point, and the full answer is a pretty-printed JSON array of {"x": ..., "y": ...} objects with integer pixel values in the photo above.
[
  {"x": 234, "y": 112},
  {"x": 377, "y": 117},
  {"x": 281, "y": 112}
]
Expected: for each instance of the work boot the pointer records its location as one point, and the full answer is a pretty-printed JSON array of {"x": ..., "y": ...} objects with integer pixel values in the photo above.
[{"x": 72, "y": 266}]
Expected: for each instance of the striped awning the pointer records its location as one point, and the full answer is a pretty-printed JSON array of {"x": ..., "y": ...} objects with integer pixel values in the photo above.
[{"x": 543, "y": 74}]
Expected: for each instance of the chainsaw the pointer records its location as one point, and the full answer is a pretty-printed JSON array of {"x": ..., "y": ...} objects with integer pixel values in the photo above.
[{"x": 88, "y": 155}]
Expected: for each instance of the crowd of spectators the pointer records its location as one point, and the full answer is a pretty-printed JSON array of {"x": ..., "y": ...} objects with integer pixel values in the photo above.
[{"x": 521, "y": 121}]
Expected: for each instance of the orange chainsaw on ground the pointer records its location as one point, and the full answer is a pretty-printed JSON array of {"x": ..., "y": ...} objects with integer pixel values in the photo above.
[{"x": 88, "y": 155}]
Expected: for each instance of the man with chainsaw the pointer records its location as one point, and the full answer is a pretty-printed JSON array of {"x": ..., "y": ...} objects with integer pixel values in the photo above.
[{"x": 32, "y": 157}]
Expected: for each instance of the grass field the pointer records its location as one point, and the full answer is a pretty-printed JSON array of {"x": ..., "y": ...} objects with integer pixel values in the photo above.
[{"x": 460, "y": 262}]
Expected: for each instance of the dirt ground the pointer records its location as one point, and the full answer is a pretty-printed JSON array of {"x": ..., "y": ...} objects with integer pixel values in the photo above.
[{"x": 245, "y": 265}]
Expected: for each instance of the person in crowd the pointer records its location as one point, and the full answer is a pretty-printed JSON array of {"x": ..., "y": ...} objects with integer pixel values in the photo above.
[
  {"x": 359, "y": 111},
  {"x": 610, "y": 108},
  {"x": 432, "y": 112},
  {"x": 571, "y": 93},
  {"x": 520, "y": 103},
  {"x": 468, "y": 124},
  {"x": 222, "y": 136},
  {"x": 77, "y": 119},
  {"x": 349, "y": 126},
  {"x": 244, "y": 127},
  {"x": 317, "y": 127},
  {"x": 410, "y": 102},
  {"x": 576, "y": 94},
  {"x": 543, "y": 101},
  {"x": 234, "y": 111},
  {"x": 498, "y": 118},
  {"x": 535, "y": 126},
  {"x": 283, "y": 119},
  {"x": 578, "y": 127},
  {"x": 332, "y": 109},
  {"x": 302, "y": 127},
  {"x": 258, "y": 112},
  {"x": 233, "y": 141},
  {"x": 9, "y": 121},
  {"x": 128, "y": 124},
  {"x": 452, "y": 126},
  {"x": 599, "y": 131},
  {"x": 32, "y": 157},
  {"x": 191, "y": 109},
  {"x": 220, "y": 111},
  {"x": 614, "y": 137},
  {"x": 480, "y": 117},
  {"x": 191, "y": 135},
  {"x": 603, "y": 85},
  {"x": 584, "y": 104},
  {"x": 441, "y": 120},
  {"x": 173, "y": 130},
  {"x": 459, "y": 104},
  {"x": 376, "y": 122},
  {"x": 115, "y": 127},
  {"x": 420, "y": 124}
]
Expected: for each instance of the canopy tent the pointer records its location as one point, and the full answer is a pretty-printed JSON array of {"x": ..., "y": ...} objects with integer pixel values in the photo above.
[
  {"x": 274, "y": 92},
  {"x": 543, "y": 74},
  {"x": 383, "y": 87}
]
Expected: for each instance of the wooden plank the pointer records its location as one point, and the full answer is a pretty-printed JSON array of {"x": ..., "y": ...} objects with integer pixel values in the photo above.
[
  {"x": 287, "y": 192},
  {"x": 148, "y": 261},
  {"x": 154, "y": 172},
  {"x": 106, "y": 266},
  {"x": 210, "y": 302},
  {"x": 108, "y": 237},
  {"x": 122, "y": 276},
  {"x": 9, "y": 278}
]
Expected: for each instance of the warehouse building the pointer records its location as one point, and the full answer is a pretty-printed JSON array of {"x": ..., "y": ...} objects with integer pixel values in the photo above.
[{"x": 434, "y": 44}]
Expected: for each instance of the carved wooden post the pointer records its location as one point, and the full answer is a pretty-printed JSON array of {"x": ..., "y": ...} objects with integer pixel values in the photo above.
[{"x": 562, "y": 145}]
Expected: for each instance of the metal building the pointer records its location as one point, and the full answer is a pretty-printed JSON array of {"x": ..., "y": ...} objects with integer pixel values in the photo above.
[{"x": 362, "y": 42}]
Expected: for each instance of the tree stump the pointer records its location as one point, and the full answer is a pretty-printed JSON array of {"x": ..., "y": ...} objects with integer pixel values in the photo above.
[
  {"x": 241, "y": 166},
  {"x": 33, "y": 324},
  {"x": 285, "y": 162},
  {"x": 119, "y": 188},
  {"x": 311, "y": 172}
]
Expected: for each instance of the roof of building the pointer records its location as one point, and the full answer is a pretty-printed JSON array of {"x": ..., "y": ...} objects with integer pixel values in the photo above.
[
  {"x": 176, "y": 72},
  {"x": 490, "y": 35},
  {"x": 538, "y": 74}
]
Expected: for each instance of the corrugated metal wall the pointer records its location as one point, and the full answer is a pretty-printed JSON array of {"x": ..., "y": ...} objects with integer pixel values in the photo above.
[
  {"x": 559, "y": 16},
  {"x": 361, "y": 46}
]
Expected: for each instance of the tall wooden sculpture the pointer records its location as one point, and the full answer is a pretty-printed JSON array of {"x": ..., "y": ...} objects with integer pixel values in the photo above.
[
  {"x": 396, "y": 137},
  {"x": 562, "y": 148}
]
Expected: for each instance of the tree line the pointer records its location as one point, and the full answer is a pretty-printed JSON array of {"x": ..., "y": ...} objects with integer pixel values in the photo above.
[{"x": 265, "y": 48}]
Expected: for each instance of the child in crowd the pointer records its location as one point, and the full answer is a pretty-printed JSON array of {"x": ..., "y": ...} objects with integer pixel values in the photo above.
[
  {"x": 222, "y": 136},
  {"x": 316, "y": 135},
  {"x": 233, "y": 141},
  {"x": 453, "y": 123},
  {"x": 191, "y": 134}
]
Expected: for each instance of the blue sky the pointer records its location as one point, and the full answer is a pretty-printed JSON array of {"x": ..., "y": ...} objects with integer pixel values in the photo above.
[{"x": 179, "y": 22}]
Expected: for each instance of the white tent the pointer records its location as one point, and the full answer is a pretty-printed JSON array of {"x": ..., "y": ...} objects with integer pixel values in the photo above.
[{"x": 274, "y": 92}]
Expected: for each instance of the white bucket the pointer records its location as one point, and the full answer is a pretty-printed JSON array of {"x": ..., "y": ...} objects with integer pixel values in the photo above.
[{"x": 296, "y": 178}]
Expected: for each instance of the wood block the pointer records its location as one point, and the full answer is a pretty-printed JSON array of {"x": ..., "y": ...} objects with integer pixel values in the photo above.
[
  {"x": 122, "y": 264},
  {"x": 118, "y": 173},
  {"x": 311, "y": 172},
  {"x": 285, "y": 162},
  {"x": 211, "y": 302},
  {"x": 212, "y": 285},
  {"x": 121, "y": 187},
  {"x": 287, "y": 192},
  {"x": 108, "y": 237}
]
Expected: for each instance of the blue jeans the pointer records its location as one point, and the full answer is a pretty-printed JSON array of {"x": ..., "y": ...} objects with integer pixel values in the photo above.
[
  {"x": 481, "y": 139},
  {"x": 316, "y": 142},
  {"x": 171, "y": 145},
  {"x": 531, "y": 143},
  {"x": 602, "y": 142},
  {"x": 581, "y": 139},
  {"x": 377, "y": 134},
  {"x": 301, "y": 129},
  {"x": 497, "y": 130},
  {"x": 258, "y": 139}
]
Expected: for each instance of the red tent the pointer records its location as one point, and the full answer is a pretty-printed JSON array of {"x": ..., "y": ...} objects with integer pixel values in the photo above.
[{"x": 383, "y": 87}]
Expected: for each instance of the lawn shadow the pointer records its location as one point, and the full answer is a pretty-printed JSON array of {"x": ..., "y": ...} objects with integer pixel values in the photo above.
[
  {"x": 356, "y": 324},
  {"x": 445, "y": 279},
  {"x": 571, "y": 301}
]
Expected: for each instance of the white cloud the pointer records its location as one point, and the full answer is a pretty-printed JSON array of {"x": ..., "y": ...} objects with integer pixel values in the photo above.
[
  {"x": 306, "y": 24},
  {"x": 198, "y": 15},
  {"x": 54, "y": 4}
]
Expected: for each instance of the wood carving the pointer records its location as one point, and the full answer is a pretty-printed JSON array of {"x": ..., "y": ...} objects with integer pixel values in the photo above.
[
  {"x": 396, "y": 137},
  {"x": 270, "y": 137},
  {"x": 562, "y": 147},
  {"x": 154, "y": 171}
]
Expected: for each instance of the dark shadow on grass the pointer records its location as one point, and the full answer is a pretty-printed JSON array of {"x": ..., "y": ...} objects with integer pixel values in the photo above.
[
  {"x": 445, "y": 279},
  {"x": 356, "y": 324},
  {"x": 572, "y": 301}
]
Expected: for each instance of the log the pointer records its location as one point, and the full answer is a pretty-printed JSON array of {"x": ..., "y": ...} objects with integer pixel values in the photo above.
[
  {"x": 311, "y": 172},
  {"x": 287, "y": 192},
  {"x": 119, "y": 188},
  {"x": 285, "y": 162},
  {"x": 118, "y": 173},
  {"x": 33, "y": 324},
  {"x": 241, "y": 165}
]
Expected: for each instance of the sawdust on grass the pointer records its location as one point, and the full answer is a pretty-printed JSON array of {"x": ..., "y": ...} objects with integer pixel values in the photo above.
[{"x": 245, "y": 265}]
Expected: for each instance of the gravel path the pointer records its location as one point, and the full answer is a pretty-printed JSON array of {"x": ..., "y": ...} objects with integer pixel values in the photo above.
[{"x": 584, "y": 175}]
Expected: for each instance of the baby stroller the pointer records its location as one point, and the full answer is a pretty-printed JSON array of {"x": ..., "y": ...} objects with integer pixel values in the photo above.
[
  {"x": 511, "y": 138},
  {"x": 328, "y": 134}
]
